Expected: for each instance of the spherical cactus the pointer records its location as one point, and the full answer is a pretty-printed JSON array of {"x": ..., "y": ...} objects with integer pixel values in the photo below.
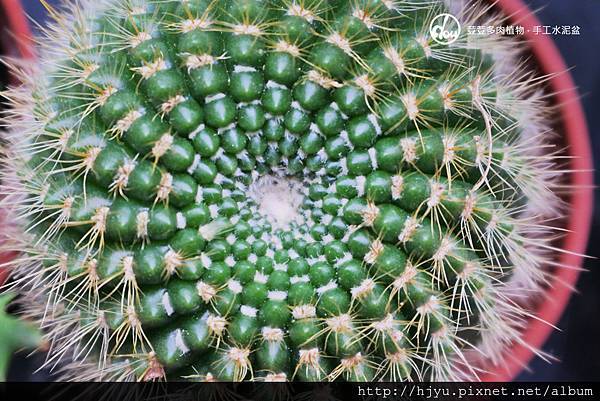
[{"x": 277, "y": 190}]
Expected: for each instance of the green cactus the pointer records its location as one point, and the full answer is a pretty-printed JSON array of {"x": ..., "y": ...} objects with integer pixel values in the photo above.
[{"x": 277, "y": 190}]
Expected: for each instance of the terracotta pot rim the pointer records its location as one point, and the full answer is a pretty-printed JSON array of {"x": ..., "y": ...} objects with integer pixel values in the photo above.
[
  {"x": 17, "y": 24},
  {"x": 578, "y": 222},
  {"x": 576, "y": 134}
]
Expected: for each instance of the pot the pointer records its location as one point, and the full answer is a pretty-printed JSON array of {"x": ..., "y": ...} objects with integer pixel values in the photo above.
[
  {"x": 15, "y": 37},
  {"x": 574, "y": 131},
  {"x": 15, "y": 41},
  {"x": 573, "y": 128}
]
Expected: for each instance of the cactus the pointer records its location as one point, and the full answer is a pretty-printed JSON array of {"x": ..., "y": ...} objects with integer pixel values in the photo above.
[{"x": 277, "y": 190}]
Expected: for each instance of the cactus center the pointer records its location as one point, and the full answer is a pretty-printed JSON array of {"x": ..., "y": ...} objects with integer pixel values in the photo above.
[{"x": 278, "y": 199}]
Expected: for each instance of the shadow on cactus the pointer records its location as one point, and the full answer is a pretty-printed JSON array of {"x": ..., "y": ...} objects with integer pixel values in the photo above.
[{"x": 278, "y": 190}]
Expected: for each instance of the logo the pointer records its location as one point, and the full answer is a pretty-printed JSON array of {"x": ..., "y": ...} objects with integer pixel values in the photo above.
[{"x": 444, "y": 29}]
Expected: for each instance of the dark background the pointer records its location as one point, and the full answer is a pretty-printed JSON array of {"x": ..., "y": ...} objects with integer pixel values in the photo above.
[{"x": 577, "y": 345}]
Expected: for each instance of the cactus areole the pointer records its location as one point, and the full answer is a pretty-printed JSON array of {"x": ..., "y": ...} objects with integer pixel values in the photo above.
[{"x": 278, "y": 190}]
